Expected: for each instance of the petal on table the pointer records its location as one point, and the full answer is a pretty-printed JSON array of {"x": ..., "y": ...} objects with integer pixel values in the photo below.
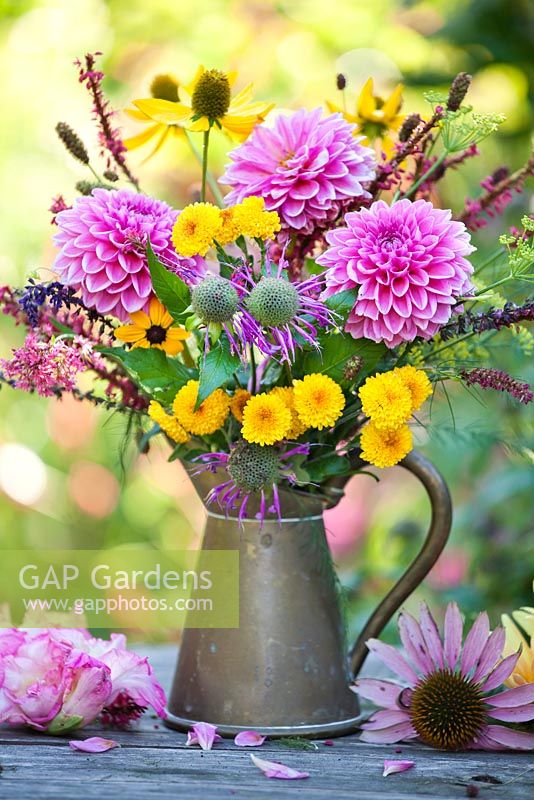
[
  {"x": 249, "y": 739},
  {"x": 96, "y": 744},
  {"x": 272, "y": 769},
  {"x": 204, "y": 735},
  {"x": 390, "y": 767}
]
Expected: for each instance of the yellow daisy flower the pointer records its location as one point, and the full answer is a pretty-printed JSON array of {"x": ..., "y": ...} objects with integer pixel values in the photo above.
[
  {"x": 386, "y": 400},
  {"x": 208, "y": 100},
  {"x": 155, "y": 329},
  {"x": 417, "y": 383},
  {"x": 195, "y": 229},
  {"x": 287, "y": 395},
  {"x": 208, "y": 417},
  {"x": 385, "y": 448},
  {"x": 519, "y": 629},
  {"x": 167, "y": 423},
  {"x": 374, "y": 117},
  {"x": 319, "y": 401},
  {"x": 266, "y": 419},
  {"x": 163, "y": 87},
  {"x": 238, "y": 403}
]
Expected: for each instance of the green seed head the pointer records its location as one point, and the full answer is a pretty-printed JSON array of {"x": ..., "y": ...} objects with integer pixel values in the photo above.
[
  {"x": 212, "y": 95},
  {"x": 214, "y": 300},
  {"x": 253, "y": 467},
  {"x": 273, "y": 301},
  {"x": 164, "y": 87}
]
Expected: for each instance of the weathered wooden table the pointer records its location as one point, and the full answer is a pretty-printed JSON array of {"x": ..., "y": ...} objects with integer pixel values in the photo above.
[{"x": 153, "y": 762}]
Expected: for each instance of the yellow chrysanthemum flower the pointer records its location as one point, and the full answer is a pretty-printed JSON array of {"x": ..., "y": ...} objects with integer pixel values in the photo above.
[
  {"x": 417, "y": 383},
  {"x": 208, "y": 417},
  {"x": 385, "y": 448},
  {"x": 266, "y": 419},
  {"x": 238, "y": 403},
  {"x": 374, "y": 117},
  {"x": 155, "y": 329},
  {"x": 253, "y": 220},
  {"x": 163, "y": 87},
  {"x": 386, "y": 400},
  {"x": 519, "y": 629},
  {"x": 319, "y": 401},
  {"x": 208, "y": 100},
  {"x": 230, "y": 230},
  {"x": 196, "y": 228},
  {"x": 167, "y": 423},
  {"x": 287, "y": 395}
]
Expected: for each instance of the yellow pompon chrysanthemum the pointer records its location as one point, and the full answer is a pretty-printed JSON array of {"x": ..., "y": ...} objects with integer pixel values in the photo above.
[
  {"x": 386, "y": 400},
  {"x": 254, "y": 221},
  {"x": 519, "y": 629},
  {"x": 208, "y": 417},
  {"x": 208, "y": 101},
  {"x": 167, "y": 423},
  {"x": 155, "y": 329},
  {"x": 374, "y": 117},
  {"x": 266, "y": 420},
  {"x": 195, "y": 229},
  {"x": 417, "y": 382},
  {"x": 230, "y": 229},
  {"x": 287, "y": 394},
  {"x": 238, "y": 403},
  {"x": 319, "y": 401},
  {"x": 385, "y": 448}
]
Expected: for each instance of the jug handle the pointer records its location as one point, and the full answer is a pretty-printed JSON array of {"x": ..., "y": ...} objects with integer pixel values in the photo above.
[{"x": 435, "y": 541}]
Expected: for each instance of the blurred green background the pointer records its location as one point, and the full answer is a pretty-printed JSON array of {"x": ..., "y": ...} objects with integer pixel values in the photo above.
[{"x": 61, "y": 480}]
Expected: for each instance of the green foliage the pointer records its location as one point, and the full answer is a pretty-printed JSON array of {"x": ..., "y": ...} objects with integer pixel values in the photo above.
[
  {"x": 335, "y": 352},
  {"x": 170, "y": 289},
  {"x": 342, "y": 303},
  {"x": 159, "y": 376},
  {"x": 217, "y": 368}
]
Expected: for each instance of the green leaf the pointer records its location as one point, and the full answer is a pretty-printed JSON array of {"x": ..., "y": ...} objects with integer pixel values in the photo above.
[
  {"x": 217, "y": 368},
  {"x": 158, "y": 376},
  {"x": 335, "y": 351},
  {"x": 170, "y": 289},
  {"x": 342, "y": 302},
  {"x": 328, "y": 467}
]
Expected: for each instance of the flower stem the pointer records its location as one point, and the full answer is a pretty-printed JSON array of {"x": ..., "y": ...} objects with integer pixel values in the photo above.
[
  {"x": 188, "y": 358},
  {"x": 205, "y": 146},
  {"x": 426, "y": 174},
  {"x": 209, "y": 177}
]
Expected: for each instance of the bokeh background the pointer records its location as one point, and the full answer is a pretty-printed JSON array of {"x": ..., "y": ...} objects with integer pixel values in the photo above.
[{"x": 66, "y": 477}]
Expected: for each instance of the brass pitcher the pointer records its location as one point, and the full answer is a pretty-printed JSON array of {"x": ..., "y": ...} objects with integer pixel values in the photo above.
[{"x": 285, "y": 671}]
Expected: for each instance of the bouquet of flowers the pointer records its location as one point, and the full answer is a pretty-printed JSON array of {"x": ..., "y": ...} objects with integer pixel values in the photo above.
[{"x": 285, "y": 334}]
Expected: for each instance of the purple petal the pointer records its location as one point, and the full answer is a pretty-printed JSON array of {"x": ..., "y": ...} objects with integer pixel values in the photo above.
[
  {"x": 383, "y": 693},
  {"x": 203, "y": 734},
  {"x": 501, "y": 672},
  {"x": 271, "y": 769},
  {"x": 392, "y": 659},
  {"x": 431, "y": 635},
  {"x": 510, "y": 739},
  {"x": 453, "y": 630},
  {"x": 491, "y": 654},
  {"x": 385, "y": 719},
  {"x": 395, "y": 733},
  {"x": 513, "y": 697},
  {"x": 523, "y": 713},
  {"x": 475, "y": 642},
  {"x": 96, "y": 744},
  {"x": 390, "y": 767},
  {"x": 249, "y": 739},
  {"x": 414, "y": 643}
]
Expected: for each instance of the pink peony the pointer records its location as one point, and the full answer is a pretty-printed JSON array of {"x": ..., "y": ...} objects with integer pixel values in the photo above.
[
  {"x": 103, "y": 239},
  {"x": 304, "y": 167},
  {"x": 408, "y": 263}
]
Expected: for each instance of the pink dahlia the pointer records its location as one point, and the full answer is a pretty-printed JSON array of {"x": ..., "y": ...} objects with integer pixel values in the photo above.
[
  {"x": 449, "y": 698},
  {"x": 103, "y": 239},
  {"x": 408, "y": 263},
  {"x": 304, "y": 167}
]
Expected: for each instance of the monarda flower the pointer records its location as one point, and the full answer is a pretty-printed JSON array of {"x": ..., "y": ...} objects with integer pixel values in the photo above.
[
  {"x": 253, "y": 471},
  {"x": 102, "y": 241},
  {"x": 304, "y": 166},
  {"x": 449, "y": 698},
  {"x": 44, "y": 367},
  {"x": 408, "y": 263}
]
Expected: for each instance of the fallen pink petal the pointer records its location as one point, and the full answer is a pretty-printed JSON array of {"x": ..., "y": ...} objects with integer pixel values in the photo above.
[
  {"x": 249, "y": 739},
  {"x": 203, "y": 734},
  {"x": 96, "y": 744},
  {"x": 272, "y": 769},
  {"x": 391, "y": 767}
]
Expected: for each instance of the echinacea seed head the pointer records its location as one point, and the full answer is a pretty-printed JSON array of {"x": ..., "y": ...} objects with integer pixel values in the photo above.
[{"x": 212, "y": 95}]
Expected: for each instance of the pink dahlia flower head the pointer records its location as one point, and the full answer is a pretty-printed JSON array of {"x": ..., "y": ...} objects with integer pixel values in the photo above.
[
  {"x": 448, "y": 697},
  {"x": 102, "y": 241},
  {"x": 305, "y": 167},
  {"x": 408, "y": 262}
]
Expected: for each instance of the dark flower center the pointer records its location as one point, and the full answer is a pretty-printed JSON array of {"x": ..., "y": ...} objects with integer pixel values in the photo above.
[
  {"x": 447, "y": 710},
  {"x": 164, "y": 87},
  {"x": 156, "y": 334},
  {"x": 212, "y": 95}
]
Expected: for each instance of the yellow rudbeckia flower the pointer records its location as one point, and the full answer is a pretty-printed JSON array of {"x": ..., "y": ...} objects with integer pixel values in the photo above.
[
  {"x": 163, "y": 88},
  {"x": 155, "y": 329},
  {"x": 208, "y": 101},
  {"x": 374, "y": 117}
]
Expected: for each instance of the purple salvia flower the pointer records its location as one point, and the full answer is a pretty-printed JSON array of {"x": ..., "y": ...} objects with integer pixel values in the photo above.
[{"x": 500, "y": 381}]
